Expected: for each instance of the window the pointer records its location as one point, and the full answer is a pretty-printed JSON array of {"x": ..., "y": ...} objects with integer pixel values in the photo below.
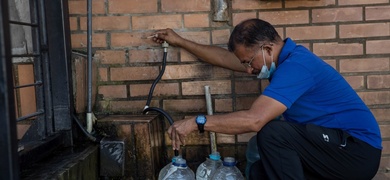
[{"x": 36, "y": 98}]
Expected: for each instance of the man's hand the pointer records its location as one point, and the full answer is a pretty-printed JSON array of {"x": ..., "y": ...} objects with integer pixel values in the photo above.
[
  {"x": 167, "y": 35},
  {"x": 179, "y": 130}
]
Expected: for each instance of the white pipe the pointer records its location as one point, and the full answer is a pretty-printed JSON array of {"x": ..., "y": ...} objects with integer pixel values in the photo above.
[{"x": 213, "y": 141}]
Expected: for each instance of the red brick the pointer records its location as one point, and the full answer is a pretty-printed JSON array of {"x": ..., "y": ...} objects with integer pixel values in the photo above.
[
  {"x": 337, "y": 49},
  {"x": 281, "y": 32},
  {"x": 107, "y": 23},
  {"x": 364, "y": 65},
  {"x": 364, "y": 30},
  {"x": 185, "y": 105},
  {"x": 103, "y": 74},
  {"x": 245, "y": 103},
  {"x": 309, "y": 3},
  {"x": 80, "y": 7},
  {"x": 132, "y": 6},
  {"x": 130, "y": 106},
  {"x": 157, "y": 22},
  {"x": 384, "y": 165},
  {"x": 113, "y": 91},
  {"x": 185, "y": 56},
  {"x": 378, "y": 81},
  {"x": 73, "y": 23},
  {"x": 197, "y": 87},
  {"x": 381, "y": 114},
  {"x": 385, "y": 131},
  {"x": 378, "y": 13},
  {"x": 223, "y": 105},
  {"x": 355, "y": 2},
  {"x": 245, "y": 137},
  {"x": 202, "y": 37},
  {"x": 356, "y": 82},
  {"x": 311, "y": 32},
  {"x": 134, "y": 73},
  {"x": 255, "y": 4},
  {"x": 196, "y": 20},
  {"x": 161, "y": 89},
  {"x": 186, "y": 71},
  {"x": 218, "y": 72},
  {"x": 80, "y": 40},
  {"x": 375, "y": 98},
  {"x": 247, "y": 87},
  {"x": 386, "y": 147},
  {"x": 225, "y": 139},
  {"x": 241, "y": 16},
  {"x": 152, "y": 55},
  {"x": 332, "y": 63},
  {"x": 111, "y": 56},
  {"x": 27, "y": 94},
  {"x": 185, "y": 6},
  {"x": 220, "y": 36},
  {"x": 378, "y": 47},
  {"x": 131, "y": 39},
  {"x": 337, "y": 14},
  {"x": 286, "y": 17}
]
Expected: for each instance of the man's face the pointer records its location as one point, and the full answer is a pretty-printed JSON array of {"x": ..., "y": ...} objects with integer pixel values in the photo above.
[{"x": 249, "y": 57}]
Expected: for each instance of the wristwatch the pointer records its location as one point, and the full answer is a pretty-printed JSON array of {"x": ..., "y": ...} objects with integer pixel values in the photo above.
[{"x": 200, "y": 121}]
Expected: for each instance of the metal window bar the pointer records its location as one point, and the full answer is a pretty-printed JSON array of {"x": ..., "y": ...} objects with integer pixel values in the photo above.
[{"x": 41, "y": 84}]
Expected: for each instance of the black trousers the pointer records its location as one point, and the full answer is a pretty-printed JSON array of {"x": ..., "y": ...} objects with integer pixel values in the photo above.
[{"x": 294, "y": 151}]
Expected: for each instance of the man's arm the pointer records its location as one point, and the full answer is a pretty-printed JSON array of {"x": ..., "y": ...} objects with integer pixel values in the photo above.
[
  {"x": 263, "y": 110},
  {"x": 211, "y": 54}
]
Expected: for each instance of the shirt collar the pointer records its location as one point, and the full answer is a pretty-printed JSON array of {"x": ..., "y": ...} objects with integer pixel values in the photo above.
[{"x": 288, "y": 47}]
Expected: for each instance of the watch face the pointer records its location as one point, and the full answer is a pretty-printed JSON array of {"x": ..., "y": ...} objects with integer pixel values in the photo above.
[{"x": 201, "y": 119}]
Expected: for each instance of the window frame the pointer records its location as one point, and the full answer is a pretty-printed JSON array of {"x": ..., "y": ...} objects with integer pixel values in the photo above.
[{"x": 52, "y": 126}]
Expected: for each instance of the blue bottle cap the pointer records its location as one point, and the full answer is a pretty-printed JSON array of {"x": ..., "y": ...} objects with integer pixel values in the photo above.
[
  {"x": 215, "y": 156},
  {"x": 180, "y": 162},
  {"x": 229, "y": 161}
]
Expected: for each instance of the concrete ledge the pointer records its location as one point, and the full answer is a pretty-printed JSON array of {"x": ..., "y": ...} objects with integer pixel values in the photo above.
[{"x": 69, "y": 163}]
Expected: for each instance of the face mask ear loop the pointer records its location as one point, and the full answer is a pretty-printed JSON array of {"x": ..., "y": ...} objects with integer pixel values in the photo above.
[{"x": 262, "y": 50}]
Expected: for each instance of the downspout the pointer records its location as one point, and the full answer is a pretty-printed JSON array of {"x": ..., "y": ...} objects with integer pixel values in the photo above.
[
  {"x": 213, "y": 141},
  {"x": 89, "y": 67}
]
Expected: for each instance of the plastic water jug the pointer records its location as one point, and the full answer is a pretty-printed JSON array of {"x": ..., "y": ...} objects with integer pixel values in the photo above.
[
  {"x": 179, "y": 171},
  {"x": 252, "y": 154},
  {"x": 165, "y": 169},
  {"x": 228, "y": 171},
  {"x": 207, "y": 169}
]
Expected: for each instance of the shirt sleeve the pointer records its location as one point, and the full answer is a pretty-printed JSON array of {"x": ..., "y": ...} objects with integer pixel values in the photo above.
[{"x": 289, "y": 82}]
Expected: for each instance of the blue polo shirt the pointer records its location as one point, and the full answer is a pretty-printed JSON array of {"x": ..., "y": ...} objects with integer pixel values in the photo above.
[{"x": 314, "y": 92}]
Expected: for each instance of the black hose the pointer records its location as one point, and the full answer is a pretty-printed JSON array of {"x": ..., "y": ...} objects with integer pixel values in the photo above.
[
  {"x": 165, "y": 114},
  {"x": 92, "y": 138},
  {"x": 164, "y": 63},
  {"x": 147, "y": 108}
]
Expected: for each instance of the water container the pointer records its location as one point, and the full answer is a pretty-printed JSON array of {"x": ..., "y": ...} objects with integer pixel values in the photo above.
[
  {"x": 165, "y": 169},
  {"x": 252, "y": 154},
  {"x": 228, "y": 171},
  {"x": 179, "y": 171},
  {"x": 207, "y": 169}
]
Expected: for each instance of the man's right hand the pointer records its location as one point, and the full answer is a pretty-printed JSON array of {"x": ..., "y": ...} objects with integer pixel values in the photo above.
[{"x": 167, "y": 35}]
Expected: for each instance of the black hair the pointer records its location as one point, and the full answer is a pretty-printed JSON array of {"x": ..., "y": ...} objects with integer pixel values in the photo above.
[{"x": 252, "y": 32}]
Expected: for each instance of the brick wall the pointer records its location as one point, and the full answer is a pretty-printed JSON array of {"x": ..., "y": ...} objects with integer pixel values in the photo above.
[{"x": 353, "y": 36}]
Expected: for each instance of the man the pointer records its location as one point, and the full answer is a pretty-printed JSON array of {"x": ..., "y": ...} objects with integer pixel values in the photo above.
[{"x": 327, "y": 132}]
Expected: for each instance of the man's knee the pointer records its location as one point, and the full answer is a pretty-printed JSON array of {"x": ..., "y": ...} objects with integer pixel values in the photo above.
[{"x": 271, "y": 132}]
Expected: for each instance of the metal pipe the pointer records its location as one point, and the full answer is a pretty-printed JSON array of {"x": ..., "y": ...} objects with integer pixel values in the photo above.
[
  {"x": 213, "y": 141},
  {"x": 89, "y": 66},
  {"x": 220, "y": 10}
]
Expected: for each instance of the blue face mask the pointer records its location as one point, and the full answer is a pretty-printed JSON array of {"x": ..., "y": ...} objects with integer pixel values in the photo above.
[{"x": 265, "y": 73}]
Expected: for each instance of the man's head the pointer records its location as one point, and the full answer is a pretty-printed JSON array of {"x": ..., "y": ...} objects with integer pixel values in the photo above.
[
  {"x": 255, "y": 43},
  {"x": 252, "y": 32}
]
